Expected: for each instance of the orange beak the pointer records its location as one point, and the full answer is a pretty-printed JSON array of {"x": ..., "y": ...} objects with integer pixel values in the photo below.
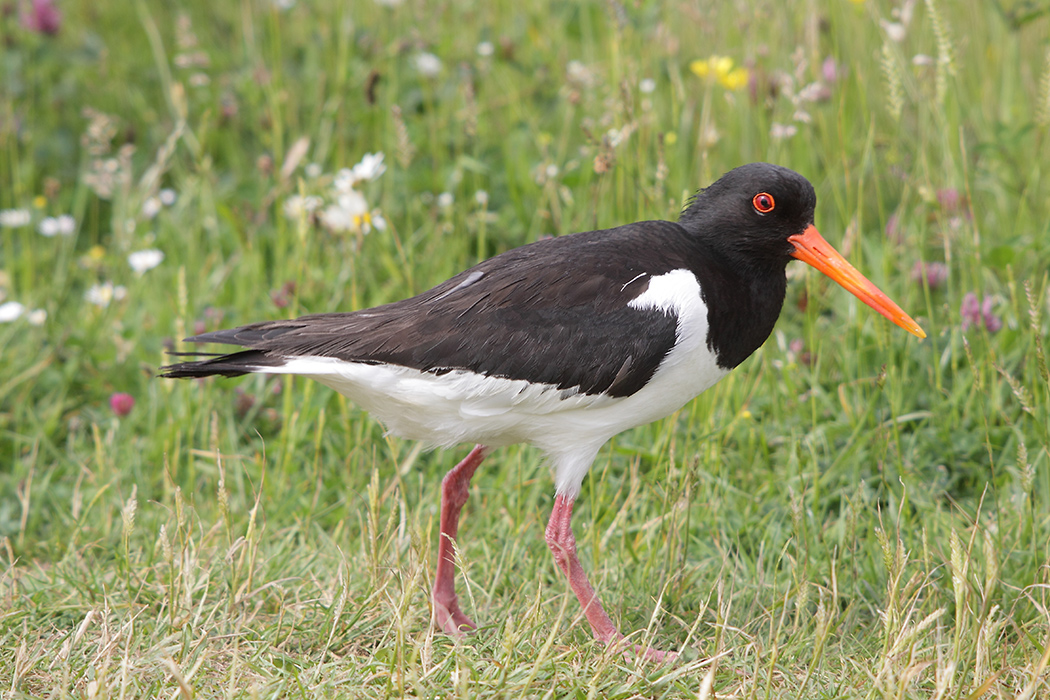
[{"x": 812, "y": 249}]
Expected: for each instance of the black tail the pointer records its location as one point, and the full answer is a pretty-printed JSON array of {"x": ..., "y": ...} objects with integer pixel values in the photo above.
[{"x": 233, "y": 365}]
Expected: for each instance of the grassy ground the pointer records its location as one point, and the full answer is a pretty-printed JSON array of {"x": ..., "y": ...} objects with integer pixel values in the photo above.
[{"x": 852, "y": 513}]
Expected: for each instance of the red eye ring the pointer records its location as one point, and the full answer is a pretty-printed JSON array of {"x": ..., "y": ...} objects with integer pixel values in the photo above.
[{"x": 763, "y": 202}]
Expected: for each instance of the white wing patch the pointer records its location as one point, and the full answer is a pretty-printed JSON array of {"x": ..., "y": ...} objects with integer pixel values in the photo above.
[{"x": 675, "y": 291}]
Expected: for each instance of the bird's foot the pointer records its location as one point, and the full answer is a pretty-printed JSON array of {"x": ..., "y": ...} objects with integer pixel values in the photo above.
[
  {"x": 632, "y": 651},
  {"x": 451, "y": 620},
  {"x": 650, "y": 654}
]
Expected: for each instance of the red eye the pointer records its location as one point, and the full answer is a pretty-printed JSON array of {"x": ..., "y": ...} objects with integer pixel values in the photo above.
[{"x": 763, "y": 202}]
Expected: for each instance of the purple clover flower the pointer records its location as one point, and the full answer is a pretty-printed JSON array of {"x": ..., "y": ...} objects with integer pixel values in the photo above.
[
  {"x": 933, "y": 273},
  {"x": 43, "y": 17},
  {"x": 974, "y": 312}
]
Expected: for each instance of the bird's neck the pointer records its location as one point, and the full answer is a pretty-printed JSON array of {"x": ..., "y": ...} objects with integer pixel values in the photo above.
[{"x": 742, "y": 308}]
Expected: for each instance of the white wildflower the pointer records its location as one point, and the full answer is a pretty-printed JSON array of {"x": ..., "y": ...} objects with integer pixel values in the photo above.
[
  {"x": 350, "y": 212},
  {"x": 143, "y": 260},
  {"x": 445, "y": 200},
  {"x": 345, "y": 213},
  {"x": 67, "y": 225},
  {"x": 102, "y": 294},
  {"x": 11, "y": 311},
  {"x": 895, "y": 31},
  {"x": 344, "y": 180},
  {"x": 36, "y": 317},
  {"x": 151, "y": 207},
  {"x": 370, "y": 167},
  {"x": 48, "y": 227},
  {"x": 904, "y": 12},
  {"x": 298, "y": 206},
  {"x": 647, "y": 85},
  {"x": 428, "y": 64},
  {"x": 63, "y": 225},
  {"x": 167, "y": 196},
  {"x": 14, "y": 218},
  {"x": 782, "y": 131},
  {"x": 486, "y": 48},
  {"x": 482, "y": 198},
  {"x": 313, "y": 170},
  {"x": 921, "y": 59},
  {"x": 335, "y": 218}
]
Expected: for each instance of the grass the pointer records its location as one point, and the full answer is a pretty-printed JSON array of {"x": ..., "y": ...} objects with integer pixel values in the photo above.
[{"x": 852, "y": 513}]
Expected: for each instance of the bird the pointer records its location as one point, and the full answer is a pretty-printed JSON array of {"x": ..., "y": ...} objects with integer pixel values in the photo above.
[{"x": 562, "y": 344}]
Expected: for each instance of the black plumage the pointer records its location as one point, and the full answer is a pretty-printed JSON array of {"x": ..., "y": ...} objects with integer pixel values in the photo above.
[{"x": 557, "y": 311}]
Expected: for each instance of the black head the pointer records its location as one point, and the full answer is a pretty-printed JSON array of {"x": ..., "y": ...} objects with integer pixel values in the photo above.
[{"x": 750, "y": 212}]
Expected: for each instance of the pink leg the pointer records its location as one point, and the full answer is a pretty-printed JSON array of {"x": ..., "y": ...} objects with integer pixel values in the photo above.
[
  {"x": 562, "y": 544},
  {"x": 455, "y": 488}
]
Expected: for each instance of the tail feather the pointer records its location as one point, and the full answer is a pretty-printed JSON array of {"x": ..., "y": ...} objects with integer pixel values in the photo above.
[{"x": 233, "y": 365}]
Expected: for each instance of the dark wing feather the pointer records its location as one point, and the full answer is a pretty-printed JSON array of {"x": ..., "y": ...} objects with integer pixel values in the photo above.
[{"x": 554, "y": 311}]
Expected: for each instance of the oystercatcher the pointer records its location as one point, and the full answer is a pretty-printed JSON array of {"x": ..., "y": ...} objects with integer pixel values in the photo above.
[{"x": 563, "y": 343}]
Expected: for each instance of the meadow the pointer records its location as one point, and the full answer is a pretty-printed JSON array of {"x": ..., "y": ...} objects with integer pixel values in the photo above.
[{"x": 852, "y": 513}]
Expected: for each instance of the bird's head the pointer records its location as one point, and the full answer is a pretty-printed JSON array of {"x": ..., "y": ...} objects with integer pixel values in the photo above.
[{"x": 760, "y": 216}]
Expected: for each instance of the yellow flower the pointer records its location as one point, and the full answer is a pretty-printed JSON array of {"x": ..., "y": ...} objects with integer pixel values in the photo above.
[
  {"x": 93, "y": 258},
  {"x": 715, "y": 66},
  {"x": 736, "y": 79},
  {"x": 40, "y": 201},
  {"x": 720, "y": 69}
]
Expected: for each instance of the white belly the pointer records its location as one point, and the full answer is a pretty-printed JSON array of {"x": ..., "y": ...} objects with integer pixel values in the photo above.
[{"x": 465, "y": 407}]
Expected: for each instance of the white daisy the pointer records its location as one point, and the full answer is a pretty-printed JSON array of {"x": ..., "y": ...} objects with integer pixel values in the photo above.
[
  {"x": 895, "y": 31},
  {"x": 63, "y": 225},
  {"x": 370, "y": 167},
  {"x": 11, "y": 311},
  {"x": 143, "y": 260},
  {"x": 14, "y": 218},
  {"x": 151, "y": 207},
  {"x": 102, "y": 294},
  {"x": 350, "y": 212},
  {"x": 428, "y": 64}
]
